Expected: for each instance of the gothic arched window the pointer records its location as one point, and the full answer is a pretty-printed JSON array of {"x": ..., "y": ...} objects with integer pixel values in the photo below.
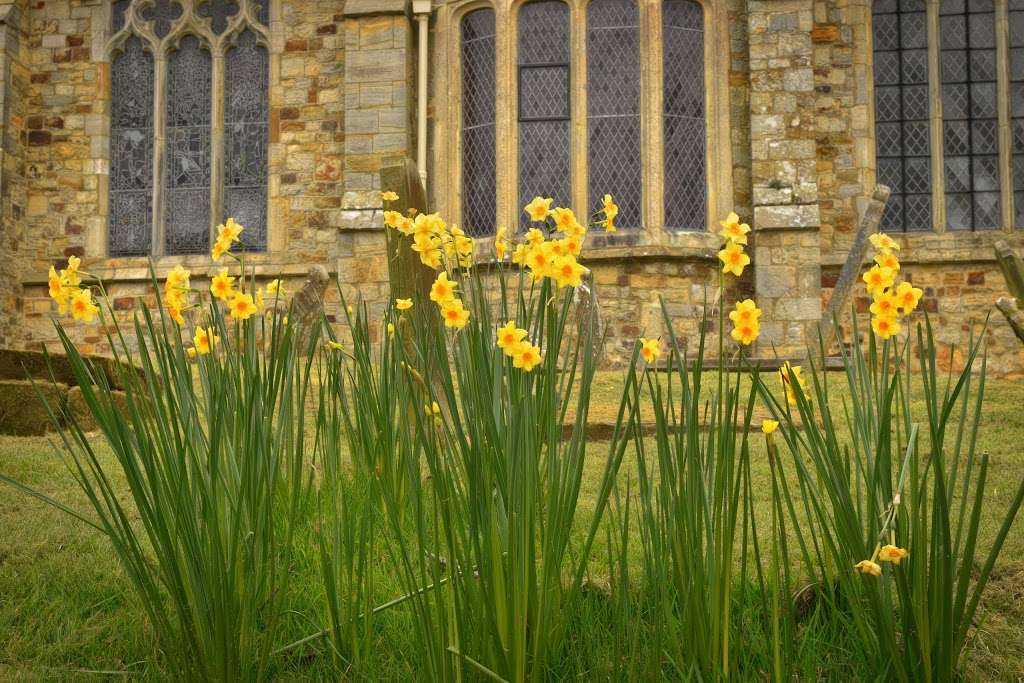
[
  {"x": 596, "y": 108},
  {"x": 188, "y": 129}
]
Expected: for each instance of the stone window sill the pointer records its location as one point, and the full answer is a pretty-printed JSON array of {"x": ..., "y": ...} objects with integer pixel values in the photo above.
[{"x": 943, "y": 248}]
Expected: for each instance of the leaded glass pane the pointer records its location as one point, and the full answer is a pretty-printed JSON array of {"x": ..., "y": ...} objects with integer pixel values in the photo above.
[
  {"x": 478, "y": 107},
  {"x": 263, "y": 11},
  {"x": 219, "y": 12},
  {"x": 543, "y": 49},
  {"x": 131, "y": 151},
  {"x": 613, "y": 106},
  {"x": 970, "y": 115},
  {"x": 902, "y": 133},
  {"x": 684, "y": 146},
  {"x": 187, "y": 158},
  {"x": 246, "y": 77},
  {"x": 162, "y": 13}
]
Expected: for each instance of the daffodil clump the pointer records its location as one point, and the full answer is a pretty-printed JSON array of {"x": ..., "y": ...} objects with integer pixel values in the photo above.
[
  {"x": 889, "y": 301},
  {"x": 746, "y": 316},
  {"x": 67, "y": 291}
]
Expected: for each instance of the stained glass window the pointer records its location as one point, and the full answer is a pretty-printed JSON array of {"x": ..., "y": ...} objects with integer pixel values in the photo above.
[
  {"x": 970, "y": 123},
  {"x": 190, "y": 142},
  {"x": 246, "y": 139},
  {"x": 131, "y": 154},
  {"x": 613, "y": 107},
  {"x": 543, "y": 49},
  {"x": 684, "y": 147},
  {"x": 478, "y": 144}
]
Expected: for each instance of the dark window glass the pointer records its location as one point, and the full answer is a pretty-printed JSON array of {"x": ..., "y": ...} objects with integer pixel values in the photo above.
[
  {"x": 1016, "y": 17},
  {"x": 163, "y": 13},
  {"x": 131, "y": 151},
  {"x": 118, "y": 12},
  {"x": 684, "y": 146},
  {"x": 187, "y": 159},
  {"x": 902, "y": 133},
  {"x": 543, "y": 47},
  {"x": 219, "y": 12},
  {"x": 970, "y": 126},
  {"x": 478, "y": 144},
  {"x": 613, "y": 106}
]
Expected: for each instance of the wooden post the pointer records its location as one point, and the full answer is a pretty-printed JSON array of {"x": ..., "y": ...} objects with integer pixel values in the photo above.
[
  {"x": 408, "y": 277},
  {"x": 1013, "y": 271},
  {"x": 850, "y": 273}
]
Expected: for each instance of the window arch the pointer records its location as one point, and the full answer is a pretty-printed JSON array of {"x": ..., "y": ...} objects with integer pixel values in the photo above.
[
  {"x": 188, "y": 127},
  {"x": 947, "y": 140}
]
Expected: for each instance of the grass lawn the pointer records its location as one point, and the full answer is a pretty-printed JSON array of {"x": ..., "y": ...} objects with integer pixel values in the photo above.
[{"x": 67, "y": 611}]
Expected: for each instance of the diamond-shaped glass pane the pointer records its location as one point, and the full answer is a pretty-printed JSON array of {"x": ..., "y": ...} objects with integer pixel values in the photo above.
[
  {"x": 131, "y": 151},
  {"x": 118, "y": 13},
  {"x": 478, "y": 141},
  {"x": 544, "y": 33},
  {"x": 684, "y": 145},
  {"x": 543, "y": 92}
]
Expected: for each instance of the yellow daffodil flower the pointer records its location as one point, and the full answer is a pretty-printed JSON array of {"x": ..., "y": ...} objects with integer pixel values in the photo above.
[
  {"x": 335, "y": 345},
  {"x": 222, "y": 285},
  {"x": 403, "y": 304},
  {"x": 538, "y": 209},
  {"x": 204, "y": 340},
  {"x": 884, "y": 305},
  {"x": 82, "y": 306},
  {"x": 891, "y": 553},
  {"x": 391, "y": 329},
  {"x": 878, "y": 279},
  {"x": 443, "y": 289},
  {"x": 885, "y": 326},
  {"x": 908, "y": 296},
  {"x": 220, "y": 247},
  {"x": 733, "y": 259},
  {"x": 275, "y": 288},
  {"x": 174, "y": 310},
  {"x": 789, "y": 374},
  {"x": 564, "y": 218},
  {"x": 454, "y": 313},
  {"x": 769, "y": 426},
  {"x": 649, "y": 349},
  {"x": 887, "y": 259},
  {"x": 526, "y": 356},
  {"x": 868, "y": 567},
  {"x": 501, "y": 243},
  {"x": 229, "y": 231},
  {"x": 746, "y": 332},
  {"x": 242, "y": 306},
  {"x": 389, "y": 196},
  {"x": 611, "y": 210},
  {"x": 733, "y": 230},
  {"x": 392, "y": 218},
  {"x": 567, "y": 272},
  {"x": 883, "y": 242},
  {"x": 745, "y": 311},
  {"x": 534, "y": 237},
  {"x": 509, "y": 337}
]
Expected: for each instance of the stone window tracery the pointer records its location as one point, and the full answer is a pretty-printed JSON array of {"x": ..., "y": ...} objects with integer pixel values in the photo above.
[{"x": 188, "y": 127}]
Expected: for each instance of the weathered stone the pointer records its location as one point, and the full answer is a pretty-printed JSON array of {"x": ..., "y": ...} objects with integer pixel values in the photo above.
[
  {"x": 786, "y": 216},
  {"x": 25, "y": 406}
]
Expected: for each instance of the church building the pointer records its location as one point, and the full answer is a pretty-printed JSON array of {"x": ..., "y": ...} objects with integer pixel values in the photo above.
[{"x": 129, "y": 129}]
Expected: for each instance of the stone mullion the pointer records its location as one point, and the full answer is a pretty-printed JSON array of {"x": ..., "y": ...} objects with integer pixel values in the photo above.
[
  {"x": 1005, "y": 139},
  {"x": 935, "y": 129},
  {"x": 652, "y": 123},
  {"x": 159, "y": 149},
  {"x": 217, "y": 143},
  {"x": 578, "y": 153},
  {"x": 506, "y": 135}
]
